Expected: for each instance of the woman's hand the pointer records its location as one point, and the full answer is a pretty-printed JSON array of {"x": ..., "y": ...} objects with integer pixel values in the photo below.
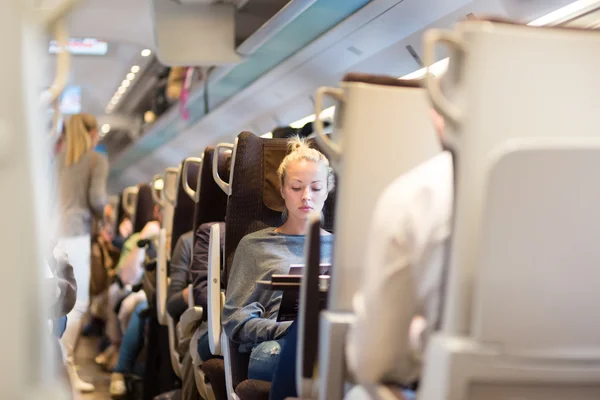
[
  {"x": 125, "y": 228},
  {"x": 151, "y": 230}
]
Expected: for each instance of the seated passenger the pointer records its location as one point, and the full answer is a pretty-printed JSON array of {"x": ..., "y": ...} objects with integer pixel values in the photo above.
[
  {"x": 125, "y": 230},
  {"x": 177, "y": 304},
  {"x": 130, "y": 271},
  {"x": 133, "y": 323},
  {"x": 199, "y": 271},
  {"x": 177, "y": 294},
  {"x": 131, "y": 346},
  {"x": 403, "y": 278},
  {"x": 105, "y": 257},
  {"x": 250, "y": 314}
]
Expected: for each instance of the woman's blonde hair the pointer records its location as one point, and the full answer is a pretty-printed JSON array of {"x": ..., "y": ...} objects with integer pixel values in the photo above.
[
  {"x": 299, "y": 149},
  {"x": 78, "y": 140}
]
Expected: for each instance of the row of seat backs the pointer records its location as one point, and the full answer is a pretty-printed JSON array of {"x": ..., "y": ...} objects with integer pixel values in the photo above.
[
  {"x": 144, "y": 209},
  {"x": 184, "y": 206},
  {"x": 255, "y": 203},
  {"x": 120, "y": 211},
  {"x": 212, "y": 201}
]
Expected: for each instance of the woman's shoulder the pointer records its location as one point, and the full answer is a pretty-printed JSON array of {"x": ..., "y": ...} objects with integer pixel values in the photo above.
[{"x": 261, "y": 235}]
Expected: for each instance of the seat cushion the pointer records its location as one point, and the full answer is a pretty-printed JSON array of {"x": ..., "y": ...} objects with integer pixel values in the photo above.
[
  {"x": 251, "y": 389},
  {"x": 214, "y": 370}
]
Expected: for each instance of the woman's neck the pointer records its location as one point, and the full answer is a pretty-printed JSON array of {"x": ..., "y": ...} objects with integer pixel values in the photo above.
[{"x": 292, "y": 227}]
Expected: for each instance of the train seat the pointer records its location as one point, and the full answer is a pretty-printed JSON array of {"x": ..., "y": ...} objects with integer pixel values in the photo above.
[
  {"x": 520, "y": 317},
  {"x": 254, "y": 203},
  {"x": 210, "y": 206},
  {"x": 396, "y": 114}
]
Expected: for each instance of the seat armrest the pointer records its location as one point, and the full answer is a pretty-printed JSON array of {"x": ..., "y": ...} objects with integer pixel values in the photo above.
[
  {"x": 161, "y": 278},
  {"x": 215, "y": 297},
  {"x": 190, "y": 320}
]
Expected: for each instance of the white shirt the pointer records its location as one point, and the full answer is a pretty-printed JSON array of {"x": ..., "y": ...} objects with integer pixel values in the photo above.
[{"x": 403, "y": 274}]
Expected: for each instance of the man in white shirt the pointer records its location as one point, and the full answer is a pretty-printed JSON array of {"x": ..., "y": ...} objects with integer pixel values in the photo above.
[{"x": 402, "y": 279}]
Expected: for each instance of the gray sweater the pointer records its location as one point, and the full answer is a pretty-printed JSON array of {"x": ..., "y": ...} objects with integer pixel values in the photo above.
[
  {"x": 82, "y": 191},
  {"x": 250, "y": 314},
  {"x": 179, "y": 272}
]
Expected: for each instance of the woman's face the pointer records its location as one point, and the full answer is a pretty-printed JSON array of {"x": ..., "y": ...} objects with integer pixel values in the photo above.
[{"x": 304, "y": 188}]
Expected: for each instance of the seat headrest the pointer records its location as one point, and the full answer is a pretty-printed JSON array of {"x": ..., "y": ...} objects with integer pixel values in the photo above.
[
  {"x": 255, "y": 202},
  {"x": 120, "y": 211},
  {"x": 382, "y": 80},
  {"x": 212, "y": 201},
  {"x": 144, "y": 210},
  {"x": 183, "y": 212},
  {"x": 274, "y": 153}
]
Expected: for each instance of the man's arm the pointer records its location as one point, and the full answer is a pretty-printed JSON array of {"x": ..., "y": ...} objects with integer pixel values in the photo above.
[
  {"x": 180, "y": 264},
  {"x": 378, "y": 343}
]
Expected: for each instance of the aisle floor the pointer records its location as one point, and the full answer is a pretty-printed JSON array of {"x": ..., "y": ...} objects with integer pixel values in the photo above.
[{"x": 87, "y": 349}]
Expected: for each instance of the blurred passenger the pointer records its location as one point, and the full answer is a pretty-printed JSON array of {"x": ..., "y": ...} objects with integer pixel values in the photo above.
[
  {"x": 284, "y": 132},
  {"x": 177, "y": 303},
  {"x": 177, "y": 294},
  {"x": 61, "y": 287},
  {"x": 133, "y": 339},
  {"x": 125, "y": 230},
  {"x": 105, "y": 257},
  {"x": 403, "y": 279},
  {"x": 250, "y": 314},
  {"x": 129, "y": 273},
  {"x": 82, "y": 175}
]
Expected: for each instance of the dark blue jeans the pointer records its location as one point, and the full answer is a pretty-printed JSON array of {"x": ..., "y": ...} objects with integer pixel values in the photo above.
[
  {"x": 132, "y": 343},
  {"x": 59, "y": 325},
  {"x": 284, "y": 378},
  {"x": 204, "y": 348},
  {"x": 264, "y": 358}
]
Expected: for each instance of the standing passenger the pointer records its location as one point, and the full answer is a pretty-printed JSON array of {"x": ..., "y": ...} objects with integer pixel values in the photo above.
[{"x": 82, "y": 175}]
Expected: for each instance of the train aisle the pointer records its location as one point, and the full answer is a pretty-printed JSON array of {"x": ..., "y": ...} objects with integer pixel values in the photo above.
[{"x": 87, "y": 349}]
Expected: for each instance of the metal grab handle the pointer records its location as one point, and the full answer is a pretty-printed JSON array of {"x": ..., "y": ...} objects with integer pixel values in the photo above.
[
  {"x": 332, "y": 149},
  {"x": 432, "y": 83},
  {"x": 58, "y": 11},
  {"x": 155, "y": 195},
  {"x": 226, "y": 187},
  {"x": 184, "y": 181},
  {"x": 63, "y": 64},
  {"x": 170, "y": 177}
]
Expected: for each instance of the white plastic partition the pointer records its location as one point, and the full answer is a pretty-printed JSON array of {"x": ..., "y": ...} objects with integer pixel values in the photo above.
[
  {"x": 216, "y": 298},
  {"x": 167, "y": 204},
  {"x": 383, "y": 132},
  {"x": 520, "y": 318},
  {"x": 28, "y": 368}
]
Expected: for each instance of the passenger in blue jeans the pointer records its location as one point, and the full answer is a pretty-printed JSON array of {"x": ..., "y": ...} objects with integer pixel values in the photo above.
[
  {"x": 250, "y": 314},
  {"x": 131, "y": 346}
]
